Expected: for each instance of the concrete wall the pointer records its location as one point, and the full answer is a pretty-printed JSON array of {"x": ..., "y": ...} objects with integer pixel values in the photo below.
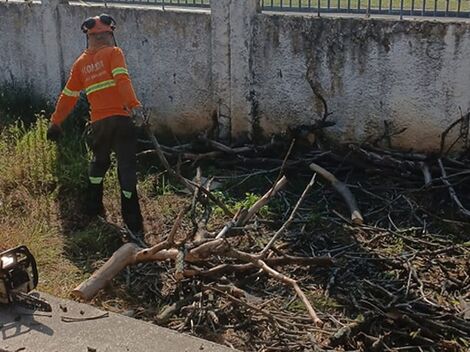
[
  {"x": 168, "y": 54},
  {"x": 242, "y": 73},
  {"x": 414, "y": 75},
  {"x": 28, "y": 48}
]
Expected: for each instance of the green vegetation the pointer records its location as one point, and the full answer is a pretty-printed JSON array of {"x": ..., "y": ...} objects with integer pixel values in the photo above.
[
  {"x": 28, "y": 160},
  {"x": 41, "y": 194},
  {"x": 29, "y": 186},
  {"x": 321, "y": 302},
  {"x": 41, "y": 191},
  {"x": 245, "y": 202}
]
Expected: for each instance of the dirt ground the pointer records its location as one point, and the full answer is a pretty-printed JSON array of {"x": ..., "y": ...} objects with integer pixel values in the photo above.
[{"x": 399, "y": 282}]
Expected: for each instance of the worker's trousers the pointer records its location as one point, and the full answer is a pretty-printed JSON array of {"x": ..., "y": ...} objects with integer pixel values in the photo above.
[{"x": 115, "y": 134}]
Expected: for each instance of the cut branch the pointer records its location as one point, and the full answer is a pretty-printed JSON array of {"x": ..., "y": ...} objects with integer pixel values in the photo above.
[
  {"x": 131, "y": 254},
  {"x": 343, "y": 190},
  {"x": 262, "y": 201},
  {"x": 278, "y": 276},
  {"x": 426, "y": 173}
]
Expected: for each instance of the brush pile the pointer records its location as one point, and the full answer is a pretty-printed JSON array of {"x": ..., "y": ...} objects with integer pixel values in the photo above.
[{"x": 367, "y": 249}]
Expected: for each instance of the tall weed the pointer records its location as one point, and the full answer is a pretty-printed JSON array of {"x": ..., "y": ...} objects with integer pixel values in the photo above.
[{"x": 28, "y": 159}]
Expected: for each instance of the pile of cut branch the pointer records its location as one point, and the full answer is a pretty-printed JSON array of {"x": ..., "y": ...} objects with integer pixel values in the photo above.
[{"x": 317, "y": 276}]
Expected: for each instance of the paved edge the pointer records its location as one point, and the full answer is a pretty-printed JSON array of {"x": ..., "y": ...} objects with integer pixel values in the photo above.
[{"x": 22, "y": 330}]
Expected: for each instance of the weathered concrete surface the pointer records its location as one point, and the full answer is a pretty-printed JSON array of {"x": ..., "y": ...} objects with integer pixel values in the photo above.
[
  {"x": 241, "y": 74},
  {"x": 243, "y": 110},
  {"x": 221, "y": 67},
  {"x": 116, "y": 333},
  {"x": 168, "y": 54},
  {"x": 29, "y": 54},
  {"x": 414, "y": 75},
  {"x": 232, "y": 23}
]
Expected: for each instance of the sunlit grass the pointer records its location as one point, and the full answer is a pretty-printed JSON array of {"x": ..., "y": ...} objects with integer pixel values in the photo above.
[{"x": 29, "y": 178}]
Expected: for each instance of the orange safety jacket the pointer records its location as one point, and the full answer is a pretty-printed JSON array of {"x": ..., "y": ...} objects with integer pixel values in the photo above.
[{"x": 103, "y": 75}]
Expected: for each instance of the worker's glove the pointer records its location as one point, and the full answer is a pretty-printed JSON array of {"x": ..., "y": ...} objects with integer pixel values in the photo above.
[
  {"x": 54, "y": 132},
  {"x": 139, "y": 116}
]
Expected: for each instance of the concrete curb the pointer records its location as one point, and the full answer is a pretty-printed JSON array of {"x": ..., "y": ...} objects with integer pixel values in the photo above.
[{"x": 22, "y": 331}]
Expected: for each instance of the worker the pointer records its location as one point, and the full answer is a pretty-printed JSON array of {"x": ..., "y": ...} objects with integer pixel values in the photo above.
[{"x": 101, "y": 72}]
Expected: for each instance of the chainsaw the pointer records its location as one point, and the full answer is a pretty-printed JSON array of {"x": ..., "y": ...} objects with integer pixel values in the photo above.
[{"x": 19, "y": 276}]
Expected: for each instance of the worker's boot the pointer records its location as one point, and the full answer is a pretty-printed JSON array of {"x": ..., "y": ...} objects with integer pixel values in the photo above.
[
  {"x": 94, "y": 200},
  {"x": 131, "y": 214}
]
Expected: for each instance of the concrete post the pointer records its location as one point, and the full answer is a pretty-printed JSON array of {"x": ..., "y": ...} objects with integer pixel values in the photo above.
[
  {"x": 52, "y": 48},
  {"x": 220, "y": 24},
  {"x": 242, "y": 18},
  {"x": 232, "y": 37}
]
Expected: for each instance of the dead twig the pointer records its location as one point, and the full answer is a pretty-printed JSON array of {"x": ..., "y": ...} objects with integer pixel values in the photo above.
[
  {"x": 185, "y": 182},
  {"x": 289, "y": 220},
  {"x": 452, "y": 193},
  {"x": 444, "y": 136},
  {"x": 80, "y": 319}
]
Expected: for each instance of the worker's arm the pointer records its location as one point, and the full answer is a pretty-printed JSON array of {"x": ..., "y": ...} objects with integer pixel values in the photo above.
[
  {"x": 123, "y": 82},
  {"x": 68, "y": 98}
]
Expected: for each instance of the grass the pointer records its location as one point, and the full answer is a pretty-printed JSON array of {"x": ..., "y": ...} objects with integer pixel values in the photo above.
[
  {"x": 246, "y": 202},
  {"x": 320, "y": 302},
  {"x": 27, "y": 210},
  {"x": 42, "y": 186},
  {"x": 41, "y": 191},
  {"x": 30, "y": 181}
]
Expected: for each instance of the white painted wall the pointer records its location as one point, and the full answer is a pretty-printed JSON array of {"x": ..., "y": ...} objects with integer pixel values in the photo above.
[
  {"x": 28, "y": 48},
  {"x": 412, "y": 74},
  {"x": 168, "y": 54},
  {"x": 245, "y": 71}
]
